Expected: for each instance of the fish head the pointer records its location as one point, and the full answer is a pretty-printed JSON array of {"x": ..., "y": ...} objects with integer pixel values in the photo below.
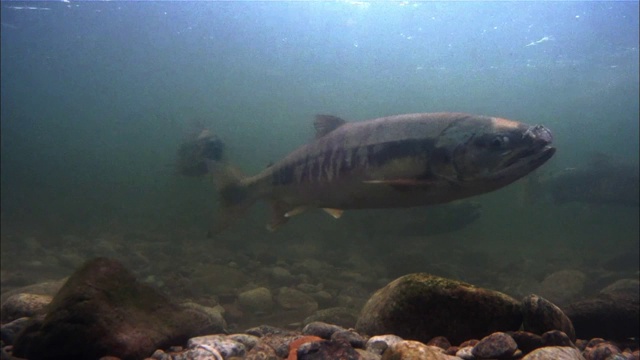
[{"x": 500, "y": 151}]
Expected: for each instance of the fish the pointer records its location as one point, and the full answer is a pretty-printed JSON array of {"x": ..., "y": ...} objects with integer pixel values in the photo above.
[
  {"x": 195, "y": 150},
  {"x": 603, "y": 180},
  {"x": 396, "y": 161}
]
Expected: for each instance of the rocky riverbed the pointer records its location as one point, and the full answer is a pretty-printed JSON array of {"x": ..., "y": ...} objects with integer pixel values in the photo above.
[{"x": 232, "y": 304}]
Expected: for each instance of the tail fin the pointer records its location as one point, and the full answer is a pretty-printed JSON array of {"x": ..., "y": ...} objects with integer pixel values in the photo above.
[{"x": 235, "y": 196}]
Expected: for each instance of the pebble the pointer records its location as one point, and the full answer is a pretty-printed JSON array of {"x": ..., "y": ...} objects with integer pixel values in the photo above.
[
  {"x": 321, "y": 329},
  {"x": 556, "y": 338},
  {"x": 220, "y": 343},
  {"x": 23, "y": 305},
  {"x": 497, "y": 345},
  {"x": 351, "y": 337},
  {"x": 258, "y": 300},
  {"x": 555, "y": 353},
  {"x": 411, "y": 350},
  {"x": 378, "y": 344}
]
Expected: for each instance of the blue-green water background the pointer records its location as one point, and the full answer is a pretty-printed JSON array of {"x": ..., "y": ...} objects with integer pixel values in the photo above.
[{"x": 96, "y": 97}]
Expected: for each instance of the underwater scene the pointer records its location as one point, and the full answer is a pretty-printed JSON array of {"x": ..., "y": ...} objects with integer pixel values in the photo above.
[{"x": 320, "y": 180}]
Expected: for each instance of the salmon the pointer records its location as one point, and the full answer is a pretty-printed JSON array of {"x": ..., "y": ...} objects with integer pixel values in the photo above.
[{"x": 390, "y": 162}]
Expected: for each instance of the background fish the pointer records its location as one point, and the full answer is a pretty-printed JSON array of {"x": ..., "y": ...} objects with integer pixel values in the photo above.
[
  {"x": 390, "y": 162},
  {"x": 603, "y": 180}
]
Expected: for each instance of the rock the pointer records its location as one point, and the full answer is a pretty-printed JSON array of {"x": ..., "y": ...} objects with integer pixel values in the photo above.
[
  {"x": 562, "y": 287},
  {"x": 540, "y": 315},
  {"x": 556, "y": 338},
  {"x": 102, "y": 310},
  {"x": 497, "y": 345},
  {"x": 292, "y": 299},
  {"x": 321, "y": 329},
  {"x": 263, "y": 330},
  {"x": 555, "y": 353},
  {"x": 262, "y": 351},
  {"x": 623, "y": 286},
  {"x": 351, "y": 337},
  {"x": 23, "y": 305},
  {"x": 527, "y": 342},
  {"x": 281, "y": 276},
  {"x": 46, "y": 288},
  {"x": 602, "y": 351},
  {"x": 410, "y": 350},
  {"x": 9, "y": 331},
  {"x": 249, "y": 341},
  {"x": 365, "y": 355},
  {"x": 378, "y": 344},
  {"x": 466, "y": 353},
  {"x": 258, "y": 300},
  {"x": 295, "y": 345},
  {"x": 279, "y": 342},
  {"x": 326, "y": 349},
  {"x": 440, "y": 341},
  {"x": 223, "y": 345},
  {"x": 612, "y": 315},
  {"x": 421, "y": 306},
  {"x": 340, "y": 316}
]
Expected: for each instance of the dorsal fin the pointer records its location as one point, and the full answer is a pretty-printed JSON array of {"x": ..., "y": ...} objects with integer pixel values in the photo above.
[{"x": 325, "y": 124}]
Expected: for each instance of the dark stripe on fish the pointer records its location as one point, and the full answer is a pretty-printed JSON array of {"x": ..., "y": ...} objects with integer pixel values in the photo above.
[{"x": 339, "y": 161}]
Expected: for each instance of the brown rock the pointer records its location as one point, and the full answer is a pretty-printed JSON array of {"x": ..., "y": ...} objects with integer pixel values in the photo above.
[
  {"x": 422, "y": 306},
  {"x": 102, "y": 310},
  {"x": 411, "y": 350},
  {"x": 555, "y": 353},
  {"x": 540, "y": 315},
  {"x": 497, "y": 345}
]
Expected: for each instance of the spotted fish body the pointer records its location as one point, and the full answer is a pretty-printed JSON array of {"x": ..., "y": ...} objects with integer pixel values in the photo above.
[{"x": 392, "y": 162}]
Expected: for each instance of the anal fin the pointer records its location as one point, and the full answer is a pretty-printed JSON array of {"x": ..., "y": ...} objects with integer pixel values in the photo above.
[{"x": 336, "y": 213}]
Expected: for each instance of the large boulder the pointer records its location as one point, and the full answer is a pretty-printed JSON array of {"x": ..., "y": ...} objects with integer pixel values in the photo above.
[
  {"x": 102, "y": 310},
  {"x": 421, "y": 306},
  {"x": 611, "y": 314}
]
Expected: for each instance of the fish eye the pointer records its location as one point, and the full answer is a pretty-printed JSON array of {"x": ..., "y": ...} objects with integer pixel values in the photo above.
[{"x": 499, "y": 142}]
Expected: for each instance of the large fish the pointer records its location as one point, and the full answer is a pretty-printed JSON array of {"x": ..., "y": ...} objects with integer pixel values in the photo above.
[{"x": 390, "y": 162}]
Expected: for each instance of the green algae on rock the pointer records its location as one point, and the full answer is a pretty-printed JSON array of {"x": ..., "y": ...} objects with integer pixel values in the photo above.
[{"x": 421, "y": 306}]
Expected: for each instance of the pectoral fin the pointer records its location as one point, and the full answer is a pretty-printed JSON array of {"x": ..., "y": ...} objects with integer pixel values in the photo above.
[{"x": 336, "y": 213}]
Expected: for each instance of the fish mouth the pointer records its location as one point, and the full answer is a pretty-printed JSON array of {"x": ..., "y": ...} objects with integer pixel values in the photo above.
[{"x": 533, "y": 157}]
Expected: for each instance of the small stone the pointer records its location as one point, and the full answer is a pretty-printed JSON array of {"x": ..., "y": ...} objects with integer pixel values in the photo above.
[
  {"x": 23, "y": 305},
  {"x": 292, "y": 299},
  {"x": 556, "y": 338},
  {"x": 471, "y": 342},
  {"x": 295, "y": 344},
  {"x": 541, "y": 315},
  {"x": 321, "y": 329},
  {"x": 365, "y": 355},
  {"x": 281, "y": 276},
  {"x": 262, "y": 351},
  {"x": 378, "y": 344},
  {"x": 263, "y": 330},
  {"x": 496, "y": 345},
  {"x": 279, "y": 342},
  {"x": 440, "y": 341},
  {"x": 563, "y": 286},
  {"x": 349, "y": 336},
  {"x": 555, "y": 353},
  {"x": 410, "y": 350},
  {"x": 320, "y": 350},
  {"x": 9, "y": 331},
  {"x": 249, "y": 341},
  {"x": 527, "y": 342},
  {"x": 466, "y": 353},
  {"x": 226, "y": 347},
  {"x": 340, "y": 316},
  {"x": 258, "y": 300},
  {"x": 601, "y": 351}
]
